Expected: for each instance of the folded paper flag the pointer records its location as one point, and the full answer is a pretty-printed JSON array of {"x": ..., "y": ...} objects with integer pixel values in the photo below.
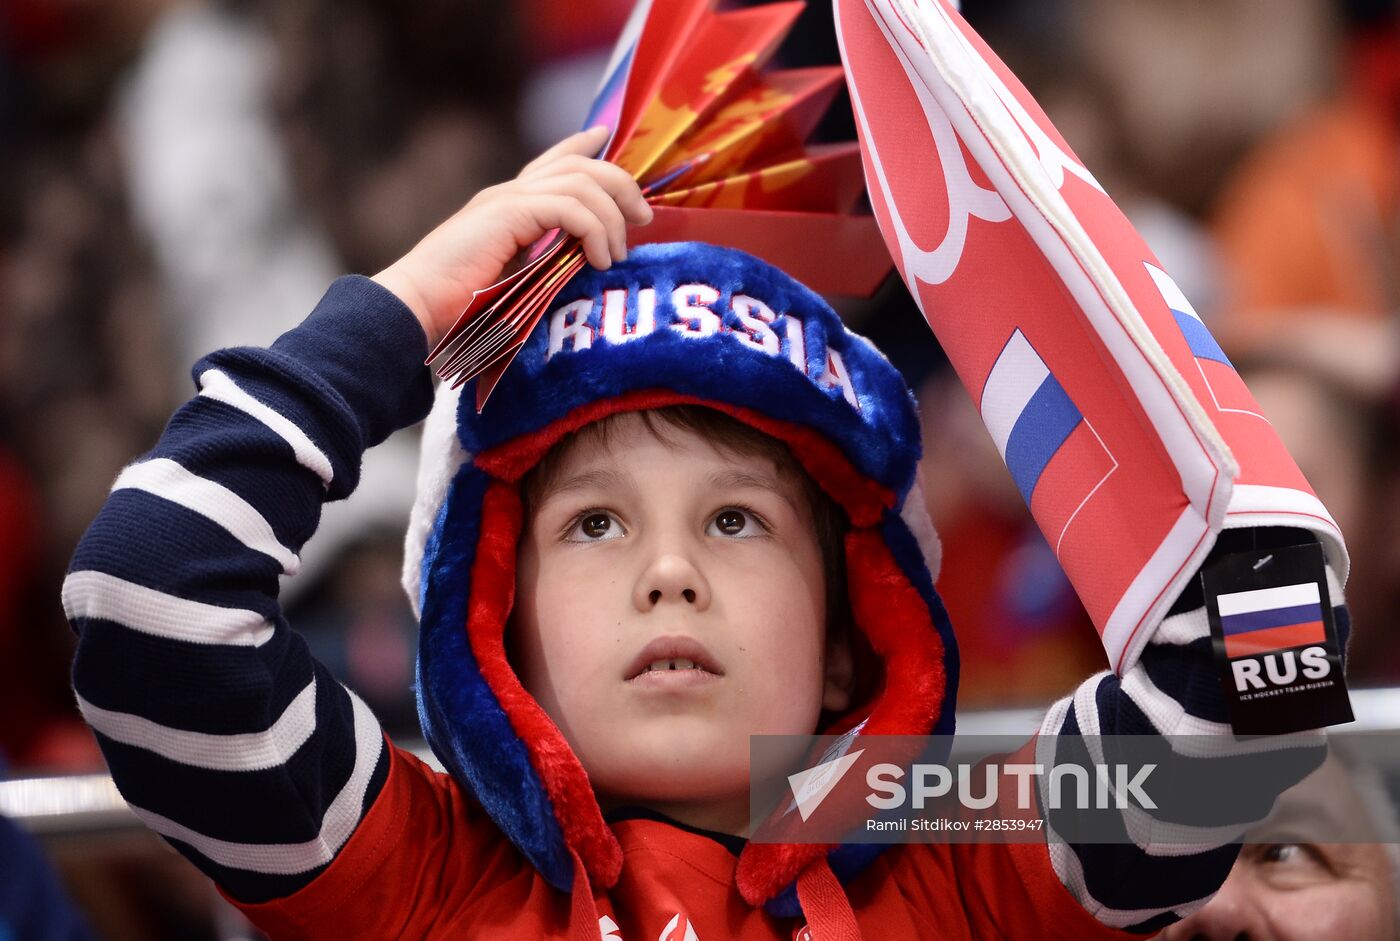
[{"x": 718, "y": 145}]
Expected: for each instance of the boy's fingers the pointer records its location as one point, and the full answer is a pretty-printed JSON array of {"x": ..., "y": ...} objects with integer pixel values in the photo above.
[
  {"x": 599, "y": 201},
  {"x": 571, "y": 215},
  {"x": 584, "y": 143},
  {"x": 616, "y": 181}
]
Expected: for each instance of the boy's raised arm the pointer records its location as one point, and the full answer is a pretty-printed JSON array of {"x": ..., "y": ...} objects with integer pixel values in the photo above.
[
  {"x": 220, "y": 729},
  {"x": 222, "y": 732},
  {"x": 1175, "y": 690}
]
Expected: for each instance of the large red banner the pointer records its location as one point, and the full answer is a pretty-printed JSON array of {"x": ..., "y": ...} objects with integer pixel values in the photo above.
[{"x": 1128, "y": 431}]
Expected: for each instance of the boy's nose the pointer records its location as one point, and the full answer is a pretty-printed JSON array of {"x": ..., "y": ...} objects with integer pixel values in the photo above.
[{"x": 671, "y": 578}]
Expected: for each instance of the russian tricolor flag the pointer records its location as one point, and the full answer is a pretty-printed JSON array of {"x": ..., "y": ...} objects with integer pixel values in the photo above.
[
  {"x": 607, "y": 106},
  {"x": 1055, "y": 457},
  {"x": 1225, "y": 385},
  {"x": 607, "y": 102},
  {"x": 1198, "y": 336},
  {"x": 1270, "y": 619}
]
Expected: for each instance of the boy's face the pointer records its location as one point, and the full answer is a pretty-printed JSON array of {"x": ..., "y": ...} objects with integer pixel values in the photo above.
[{"x": 646, "y": 557}]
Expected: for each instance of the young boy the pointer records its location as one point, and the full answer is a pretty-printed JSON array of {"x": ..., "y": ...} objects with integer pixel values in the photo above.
[{"x": 687, "y": 515}]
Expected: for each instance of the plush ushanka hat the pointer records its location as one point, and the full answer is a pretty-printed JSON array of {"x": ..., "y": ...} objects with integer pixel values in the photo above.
[{"x": 682, "y": 323}]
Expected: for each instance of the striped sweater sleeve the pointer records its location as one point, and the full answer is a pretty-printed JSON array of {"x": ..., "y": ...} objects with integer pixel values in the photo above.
[
  {"x": 220, "y": 729},
  {"x": 1174, "y": 690}
]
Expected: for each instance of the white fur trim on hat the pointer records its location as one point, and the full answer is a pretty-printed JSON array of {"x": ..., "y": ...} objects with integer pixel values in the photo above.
[
  {"x": 440, "y": 456},
  {"x": 915, "y": 516}
]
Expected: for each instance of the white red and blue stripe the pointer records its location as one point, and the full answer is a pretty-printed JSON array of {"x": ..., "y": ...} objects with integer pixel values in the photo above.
[
  {"x": 1269, "y": 619},
  {"x": 1055, "y": 456},
  {"x": 1027, "y": 411},
  {"x": 1198, "y": 336},
  {"x": 606, "y": 108}
]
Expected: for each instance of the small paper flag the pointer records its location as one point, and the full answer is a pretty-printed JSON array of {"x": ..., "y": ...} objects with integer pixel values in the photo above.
[{"x": 718, "y": 145}]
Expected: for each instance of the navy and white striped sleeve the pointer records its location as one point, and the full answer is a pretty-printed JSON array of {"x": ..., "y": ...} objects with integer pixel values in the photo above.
[
  {"x": 1173, "y": 690},
  {"x": 220, "y": 729}
]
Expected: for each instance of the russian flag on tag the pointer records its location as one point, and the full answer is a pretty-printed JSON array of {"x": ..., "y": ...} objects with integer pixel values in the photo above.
[{"x": 1269, "y": 619}]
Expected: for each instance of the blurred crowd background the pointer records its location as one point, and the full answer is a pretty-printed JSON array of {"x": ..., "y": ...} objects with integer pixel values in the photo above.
[{"x": 179, "y": 175}]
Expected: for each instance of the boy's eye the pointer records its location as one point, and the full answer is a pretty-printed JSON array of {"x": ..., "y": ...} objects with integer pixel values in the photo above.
[
  {"x": 594, "y": 526},
  {"x": 735, "y": 522}
]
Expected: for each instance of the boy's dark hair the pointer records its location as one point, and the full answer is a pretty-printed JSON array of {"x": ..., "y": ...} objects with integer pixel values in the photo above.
[{"x": 728, "y": 435}]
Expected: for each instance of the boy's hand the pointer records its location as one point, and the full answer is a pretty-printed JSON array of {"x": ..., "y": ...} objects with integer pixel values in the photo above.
[{"x": 563, "y": 188}]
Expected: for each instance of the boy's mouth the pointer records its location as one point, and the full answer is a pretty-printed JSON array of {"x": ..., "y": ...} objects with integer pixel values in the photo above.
[
  {"x": 673, "y": 665},
  {"x": 667, "y": 655}
]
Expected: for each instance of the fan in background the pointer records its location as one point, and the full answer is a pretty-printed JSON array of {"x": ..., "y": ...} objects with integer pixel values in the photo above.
[{"x": 718, "y": 147}]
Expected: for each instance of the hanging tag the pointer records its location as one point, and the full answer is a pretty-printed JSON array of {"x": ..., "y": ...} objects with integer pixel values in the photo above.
[{"x": 1275, "y": 640}]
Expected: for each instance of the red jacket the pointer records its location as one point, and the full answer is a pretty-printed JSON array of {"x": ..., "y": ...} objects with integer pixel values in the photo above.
[{"x": 427, "y": 863}]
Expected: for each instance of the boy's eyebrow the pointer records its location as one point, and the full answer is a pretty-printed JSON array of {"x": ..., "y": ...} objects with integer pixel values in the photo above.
[
  {"x": 599, "y": 479},
  {"x": 725, "y": 480}
]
